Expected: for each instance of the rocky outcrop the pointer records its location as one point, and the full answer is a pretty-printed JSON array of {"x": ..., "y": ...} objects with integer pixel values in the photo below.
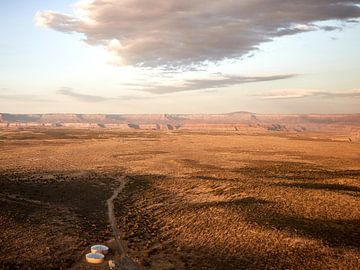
[
  {"x": 277, "y": 127},
  {"x": 134, "y": 126}
]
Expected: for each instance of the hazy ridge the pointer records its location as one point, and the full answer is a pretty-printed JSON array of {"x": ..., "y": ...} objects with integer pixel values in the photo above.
[{"x": 238, "y": 121}]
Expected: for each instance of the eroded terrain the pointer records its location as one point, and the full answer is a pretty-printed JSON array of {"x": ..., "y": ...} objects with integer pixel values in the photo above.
[{"x": 193, "y": 200}]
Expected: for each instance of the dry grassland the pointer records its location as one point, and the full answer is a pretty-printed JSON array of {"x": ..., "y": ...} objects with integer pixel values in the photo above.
[{"x": 194, "y": 200}]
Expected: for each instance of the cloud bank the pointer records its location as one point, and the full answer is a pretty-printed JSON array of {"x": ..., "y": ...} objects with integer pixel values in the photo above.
[{"x": 180, "y": 33}]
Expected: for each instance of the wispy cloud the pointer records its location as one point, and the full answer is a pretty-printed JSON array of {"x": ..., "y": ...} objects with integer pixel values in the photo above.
[
  {"x": 304, "y": 93},
  {"x": 211, "y": 83},
  {"x": 69, "y": 92},
  {"x": 22, "y": 98},
  {"x": 66, "y": 91},
  {"x": 178, "y": 33},
  {"x": 8, "y": 94}
]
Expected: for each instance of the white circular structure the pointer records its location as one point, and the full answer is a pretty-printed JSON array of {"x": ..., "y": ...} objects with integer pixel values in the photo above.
[
  {"x": 95, "y": 258},
  {"x": 99, "y": 249}
]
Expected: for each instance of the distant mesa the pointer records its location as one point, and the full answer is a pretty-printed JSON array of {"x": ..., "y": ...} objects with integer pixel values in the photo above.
[{"x": 245, "y": 122}]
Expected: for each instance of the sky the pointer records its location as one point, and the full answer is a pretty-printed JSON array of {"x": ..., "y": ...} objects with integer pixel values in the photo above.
[{"x": 169, "y": 56}]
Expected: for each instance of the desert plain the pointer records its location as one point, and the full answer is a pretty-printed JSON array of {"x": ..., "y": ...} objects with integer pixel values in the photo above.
[{"x": 192, "y": 199}]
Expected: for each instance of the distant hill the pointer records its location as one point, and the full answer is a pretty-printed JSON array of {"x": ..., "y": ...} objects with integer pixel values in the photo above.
[{"x": 237, "y": 121}]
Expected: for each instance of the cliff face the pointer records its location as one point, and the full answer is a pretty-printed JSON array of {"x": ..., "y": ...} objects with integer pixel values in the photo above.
[{"x": 238, "y": 121}]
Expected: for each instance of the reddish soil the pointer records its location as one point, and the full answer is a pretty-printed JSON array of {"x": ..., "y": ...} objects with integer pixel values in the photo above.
[{"x": 193, "y": 200}]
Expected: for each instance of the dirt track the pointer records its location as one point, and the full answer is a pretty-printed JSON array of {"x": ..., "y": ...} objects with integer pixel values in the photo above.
[
  {"x": 122, "y": 258},
  {"x": 110, "y": 204}
]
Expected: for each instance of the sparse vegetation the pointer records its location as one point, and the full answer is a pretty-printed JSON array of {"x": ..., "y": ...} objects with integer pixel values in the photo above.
[{"x": 193, "y": 200}]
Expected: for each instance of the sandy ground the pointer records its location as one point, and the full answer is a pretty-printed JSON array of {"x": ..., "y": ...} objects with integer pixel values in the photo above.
[{"x": 194, "y": 200}]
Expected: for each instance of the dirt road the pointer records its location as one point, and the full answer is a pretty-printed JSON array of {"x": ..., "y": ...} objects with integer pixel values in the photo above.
[
  {"x": 110, "y": 204},
  {"x": 121, "y": 258}
]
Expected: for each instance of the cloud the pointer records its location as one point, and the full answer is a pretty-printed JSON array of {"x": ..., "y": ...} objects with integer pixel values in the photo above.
[
  {"x": 69, "y": 92},
  {"x": 346, "y": 94},
  {"x": 9, "y": 94},
  {"x": 303, "y": 93},
  {"x": 66, "y": 91},
  {"x": 211, "y": 83},
  {"x": 331, "y": 28},
  {"x": 180, "y": 33},
  {"x": 23, "y": 98}
]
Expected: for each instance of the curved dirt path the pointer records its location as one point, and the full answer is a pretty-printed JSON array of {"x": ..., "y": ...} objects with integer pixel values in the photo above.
[
  {"x": 110, "y": 204},
  {"x": 126, "y": 263}
]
